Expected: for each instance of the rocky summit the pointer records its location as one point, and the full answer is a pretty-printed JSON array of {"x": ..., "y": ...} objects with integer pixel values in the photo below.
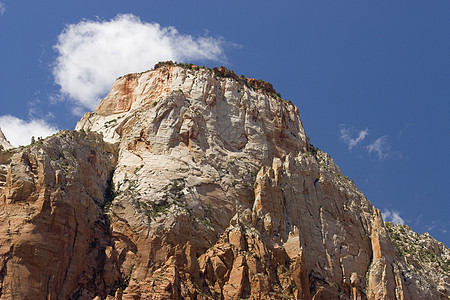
[{"x": 192, "y": 183}]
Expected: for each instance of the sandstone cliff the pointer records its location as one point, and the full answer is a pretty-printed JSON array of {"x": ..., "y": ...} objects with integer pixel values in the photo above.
[
  {"x": 4, "y": 144},
  {"x": 215, "y": 193},
  {"x": 53, "y": 230}
]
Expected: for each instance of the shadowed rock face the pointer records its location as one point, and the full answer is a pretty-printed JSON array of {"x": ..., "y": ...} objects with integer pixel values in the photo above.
[{"x": 215, "y": 193}]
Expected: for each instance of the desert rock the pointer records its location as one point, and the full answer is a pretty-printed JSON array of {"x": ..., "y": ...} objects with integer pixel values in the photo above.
[{"x": 189, "y": 183}]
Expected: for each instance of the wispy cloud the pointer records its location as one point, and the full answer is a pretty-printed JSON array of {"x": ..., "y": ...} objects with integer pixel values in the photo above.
[
  {"x": 19, "y": 132},
  {"x": 437, "y": 226},
  {"x": 92, "y": 54},
  {"x": 346, "y": 136},
  {"x": 405, "y": 128},
  {"x": 418, "y": 220},
  {"x": 392, "y": 216},
  {"x": 38, "y": 110},
  {"x": 2, "y": 7},
  {"x": 380, "y": 147},
  {"x": 431, "y": 226}
]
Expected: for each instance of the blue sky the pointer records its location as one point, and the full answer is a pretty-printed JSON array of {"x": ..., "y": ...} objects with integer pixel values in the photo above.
[{"x": 371, "y": 78}]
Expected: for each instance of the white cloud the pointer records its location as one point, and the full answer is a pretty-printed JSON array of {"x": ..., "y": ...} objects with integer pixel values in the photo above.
[
  {"x": 2, "y": 8},
  {"x": 380, "y": 147},
  {"x": 392, "y": 216},
  {"x": 352, "y": 142},
  {"x": 92, "y": 54},
  {"x": 19, "y": 132}
]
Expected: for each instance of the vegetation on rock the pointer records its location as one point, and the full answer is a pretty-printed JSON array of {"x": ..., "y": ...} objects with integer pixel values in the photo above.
[
  {"x": 223, "y": 72},
  {"x": 420, "y": 250}
]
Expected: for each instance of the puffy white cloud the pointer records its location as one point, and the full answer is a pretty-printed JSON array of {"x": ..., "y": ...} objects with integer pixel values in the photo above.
[
  {"x": 2, "y": 8},
  {"x": 380, "y": 147},
  {"x": 19, "y": 132},
  {"x": 345, "y": 135},
  {"x": 92, "y": 54},
  {"x": 392, "y": 216}
]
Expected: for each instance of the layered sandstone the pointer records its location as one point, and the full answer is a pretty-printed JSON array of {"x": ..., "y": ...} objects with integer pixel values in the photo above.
[{"x": 215, "y": 193}]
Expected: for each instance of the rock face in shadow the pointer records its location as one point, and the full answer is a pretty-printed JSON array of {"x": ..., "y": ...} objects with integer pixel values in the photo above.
[{"x": 201, "y": 188}]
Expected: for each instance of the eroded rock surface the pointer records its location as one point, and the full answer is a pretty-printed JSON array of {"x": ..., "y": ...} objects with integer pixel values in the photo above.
[
  {"x": 215, "y": 193},
  {"x": 424, "y": 261},
  {"x": 53, "y": 233}
]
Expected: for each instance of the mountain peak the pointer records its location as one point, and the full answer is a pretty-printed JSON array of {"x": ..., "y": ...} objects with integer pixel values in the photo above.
[
  {"x": 189, "y": 182},
  {"x": 202, "y": 92}
]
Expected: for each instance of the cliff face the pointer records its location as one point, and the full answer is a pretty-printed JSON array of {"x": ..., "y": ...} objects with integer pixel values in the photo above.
[
  {"x": 215, "y": 193},
  {"x": 425, "y": 261},
  {"x": 53, "y": 234},
  {"x": 4, "y": 144}
]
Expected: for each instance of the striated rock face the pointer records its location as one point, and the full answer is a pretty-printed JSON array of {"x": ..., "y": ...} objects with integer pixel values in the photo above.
[
  {"x": 215, "y": 194},
  {"x": 4, "y": 144},
  {"x": 53, "y": 233}
]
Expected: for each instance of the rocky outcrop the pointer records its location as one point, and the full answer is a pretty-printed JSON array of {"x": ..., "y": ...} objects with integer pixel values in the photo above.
[
  {"x": 424, "y": 261},
  {"x": 4, "y": 144},
  {"x": 53, "y": 235},
  {"x": 215, "y": 193}
]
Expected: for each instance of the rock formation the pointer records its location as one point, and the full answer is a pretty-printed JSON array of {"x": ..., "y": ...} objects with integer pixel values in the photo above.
[
  {"x": 53, "y": 232},
  {"x": 424, "y": 260},
  {"x": 4, "y": 144},
  {"x": 202, "y": 187}
]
